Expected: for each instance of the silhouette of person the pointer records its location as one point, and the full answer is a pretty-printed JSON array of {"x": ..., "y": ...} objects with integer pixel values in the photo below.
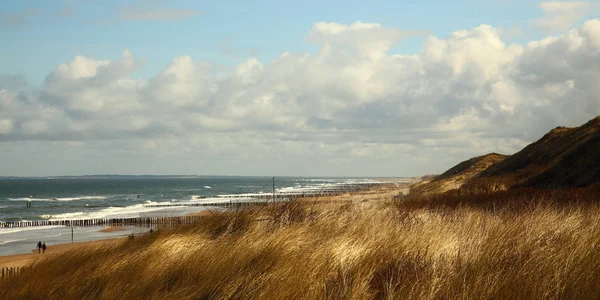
[
  {"x": 44, "y": 247},
  {"x": 39, "y": 246}
]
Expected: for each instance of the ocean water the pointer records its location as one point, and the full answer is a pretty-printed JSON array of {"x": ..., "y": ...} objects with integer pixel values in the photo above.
[{"x": 122, "y": 196}]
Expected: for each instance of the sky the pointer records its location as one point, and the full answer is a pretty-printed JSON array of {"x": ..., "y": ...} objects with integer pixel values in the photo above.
[{"x": 296, "y": 88}]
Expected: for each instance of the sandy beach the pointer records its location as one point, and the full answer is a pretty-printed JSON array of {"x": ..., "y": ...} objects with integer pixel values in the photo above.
[{"x": 20, "y": 260}]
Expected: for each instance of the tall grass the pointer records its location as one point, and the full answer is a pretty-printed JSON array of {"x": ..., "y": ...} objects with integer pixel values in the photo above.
[{"x": 509, "y": 245}]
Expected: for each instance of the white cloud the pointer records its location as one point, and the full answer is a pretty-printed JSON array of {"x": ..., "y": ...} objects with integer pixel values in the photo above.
[
  {"x": 347, "y": 109},
  {"x": 591, "y": 33},
  {"x": 370, "y": 40},
  {"x": 88, "y": 85},
  {"x": 560, "y": 16},
  {"x": 80, "y": 67}
]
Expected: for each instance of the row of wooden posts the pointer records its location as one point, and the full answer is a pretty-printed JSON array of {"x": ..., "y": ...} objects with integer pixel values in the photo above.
[
  {"x": 139, "y": 221},
  {"x": 159, "y": 221},
  {"x": 11, "y": 271}
]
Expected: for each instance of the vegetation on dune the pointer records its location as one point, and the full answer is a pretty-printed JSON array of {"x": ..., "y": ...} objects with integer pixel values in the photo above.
[
  {"x": 458, "y": 175},
  {"x": 513, "y": 244},
  {"x": 564, "y": 157}
]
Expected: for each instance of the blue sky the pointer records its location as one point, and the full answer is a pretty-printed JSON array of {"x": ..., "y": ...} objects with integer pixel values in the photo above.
[
  {"x": 223, "y": 32},
  {"x": 314, "y": 88}
]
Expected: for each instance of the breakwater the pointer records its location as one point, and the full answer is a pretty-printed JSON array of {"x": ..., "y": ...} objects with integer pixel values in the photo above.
[
  {"x": 138, "y": 221},
  {"x": 227, "y": 201}
]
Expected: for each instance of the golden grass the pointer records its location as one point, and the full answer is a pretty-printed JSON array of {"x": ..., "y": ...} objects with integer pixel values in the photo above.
[{"x": 528, "y": 244}]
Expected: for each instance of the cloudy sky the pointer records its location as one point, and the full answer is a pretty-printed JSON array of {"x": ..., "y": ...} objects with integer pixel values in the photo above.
[{"x": 350, "y": 88}]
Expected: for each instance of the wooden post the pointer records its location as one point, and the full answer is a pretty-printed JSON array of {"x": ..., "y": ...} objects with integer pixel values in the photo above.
[{"x": 273, "y": 189}]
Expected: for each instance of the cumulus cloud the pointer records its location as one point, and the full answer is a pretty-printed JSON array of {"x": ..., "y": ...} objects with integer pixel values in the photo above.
[
  {"x": 369, "y": 39},
  {"x": 88, "y": 86},
  {"x": 561, "y": 15},
  {"x": 351, "y": 108},
  {"x": 183, "y": 83}
]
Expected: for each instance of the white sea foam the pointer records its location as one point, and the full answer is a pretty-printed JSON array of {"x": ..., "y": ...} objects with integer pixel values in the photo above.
[
  {"x": 58, "y": 199},
  {"x": 10, "y": 241},
  {"x": 29, "y": 199},
  {"x": 80, "y": 198},
  {"x": 20, "y": 229},
  {"x": 187, "y": 189},
  {"x": 207, "y": 187},
  {"x": 109, "y": 212}
]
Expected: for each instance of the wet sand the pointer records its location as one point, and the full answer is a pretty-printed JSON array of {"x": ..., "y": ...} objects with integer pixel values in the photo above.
[{"x": 113, "y": 229}]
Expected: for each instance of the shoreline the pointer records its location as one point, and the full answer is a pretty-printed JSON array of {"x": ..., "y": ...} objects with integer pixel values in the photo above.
[
  {"x": 20, "y": 260},
  {"x": 24, "y": 259}
]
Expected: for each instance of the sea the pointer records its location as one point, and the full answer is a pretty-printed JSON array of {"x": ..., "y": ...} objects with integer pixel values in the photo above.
[{"x": 87, "y": 197}]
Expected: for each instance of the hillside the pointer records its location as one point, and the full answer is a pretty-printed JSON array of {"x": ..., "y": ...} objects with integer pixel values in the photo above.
[
  {"x": 458, "y": 175},
  {"x": 562, "y": 157}
]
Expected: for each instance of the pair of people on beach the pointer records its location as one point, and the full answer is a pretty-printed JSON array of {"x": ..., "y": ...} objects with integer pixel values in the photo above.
[{"x": 41, "y": 247}]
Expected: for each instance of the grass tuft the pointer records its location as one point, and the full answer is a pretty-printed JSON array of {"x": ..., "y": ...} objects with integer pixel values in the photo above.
[{"x": 517, "y": 244}]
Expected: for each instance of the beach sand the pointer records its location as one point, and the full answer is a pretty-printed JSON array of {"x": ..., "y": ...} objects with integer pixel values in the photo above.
[
  {"x": 113, "y": 229},
  {"x": 20, "y": 260},
  {"x": 203, "y": 213}
]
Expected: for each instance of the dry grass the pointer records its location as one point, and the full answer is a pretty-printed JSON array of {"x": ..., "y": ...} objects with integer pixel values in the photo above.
[{"x": 527, "y": 244}]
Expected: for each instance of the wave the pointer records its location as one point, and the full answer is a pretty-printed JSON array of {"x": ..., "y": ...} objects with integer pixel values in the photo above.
[
  {"x": 58, "y": 198},
  {"x": 109, "y": 212},
  {"x": 80, "y": 198},
  {"x": 29, "y": 199},
  {"x": 19, "y": 229},
  {"x": 10, "y": 241}
]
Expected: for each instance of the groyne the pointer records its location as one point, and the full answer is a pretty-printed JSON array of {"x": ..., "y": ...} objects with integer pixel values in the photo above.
[
  {"x": 239, "y": 200},
  {"x": 109, "y": 222}
]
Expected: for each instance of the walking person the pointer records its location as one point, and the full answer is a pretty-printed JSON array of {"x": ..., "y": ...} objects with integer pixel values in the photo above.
[
  {"x": 39, "y": 246},
  {"x": 44, "y": 247}
]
